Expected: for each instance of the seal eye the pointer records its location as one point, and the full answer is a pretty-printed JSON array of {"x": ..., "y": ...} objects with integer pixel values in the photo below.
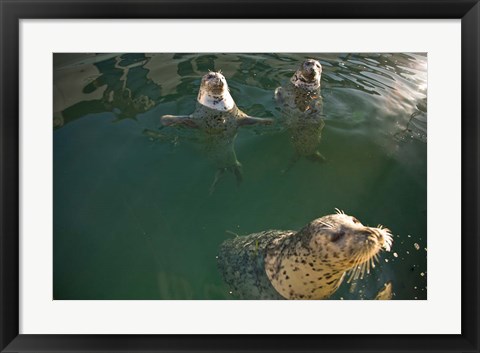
[
  {"x": 355, "y": 220},
  {"x": 337, "y": 236}
]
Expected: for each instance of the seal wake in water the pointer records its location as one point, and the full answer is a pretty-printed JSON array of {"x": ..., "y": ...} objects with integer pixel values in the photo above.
[
  {"x": 307, "y": 264},
  {"x": 218, "y": 117},
  {"x": 302, "y": 109}
]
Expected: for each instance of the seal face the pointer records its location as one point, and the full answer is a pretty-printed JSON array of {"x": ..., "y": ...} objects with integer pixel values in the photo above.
[
  {"x": 214, "y": 92},
  {"x": 308, "y": 264},
  {"x": 308, "y": 76},
  {"x": 302, "y": 108}
]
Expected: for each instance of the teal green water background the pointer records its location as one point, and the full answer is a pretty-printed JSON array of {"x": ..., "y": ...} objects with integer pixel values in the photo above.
[{"x": 133, "y": 217}]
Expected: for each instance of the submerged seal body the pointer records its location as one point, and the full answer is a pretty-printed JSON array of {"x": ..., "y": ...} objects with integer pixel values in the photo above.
[
  {"x": 302, "y": 109},
  {"x": 307, "y": 264},
  {"x": 219, "y": 118}
]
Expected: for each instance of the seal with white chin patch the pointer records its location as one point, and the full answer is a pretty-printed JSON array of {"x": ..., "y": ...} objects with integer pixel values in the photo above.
[
  {"x": 307, "y": 264},
  {"x": 302, "y": 109},
  {"x": 216, "y": 111},
  {"x": 219, "y": 118}
]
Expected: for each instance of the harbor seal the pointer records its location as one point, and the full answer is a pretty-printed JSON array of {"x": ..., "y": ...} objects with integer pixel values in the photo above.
[
  {"x": 307, "y": 264},
  {"x": 219, "y": 118},
  {"x": 301, "y": 105}
]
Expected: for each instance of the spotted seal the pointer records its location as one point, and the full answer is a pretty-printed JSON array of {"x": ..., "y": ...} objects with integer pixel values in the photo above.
[
  {"x": 307, "y": 264},
  {"x": 219, "y": 118},
  {"x": 301, "y": 105}
]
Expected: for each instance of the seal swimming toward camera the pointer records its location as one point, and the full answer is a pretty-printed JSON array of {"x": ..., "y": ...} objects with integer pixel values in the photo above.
[
  {"x": 307, "y": 264},
  {"x": 302, "y": 109},
  {"x": 219, "y": 118}
]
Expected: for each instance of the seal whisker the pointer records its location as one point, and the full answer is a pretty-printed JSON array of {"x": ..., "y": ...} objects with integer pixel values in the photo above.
[
  {"x": 365, "y": 268},
  {"x": 361, "y": 270},
  {"x": 355, "y": 268},
  {"x": 328, "y": 225}
]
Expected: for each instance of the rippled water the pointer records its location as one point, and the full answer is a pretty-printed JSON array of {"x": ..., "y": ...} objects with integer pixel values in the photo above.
[{"x": 133, "y": 217}]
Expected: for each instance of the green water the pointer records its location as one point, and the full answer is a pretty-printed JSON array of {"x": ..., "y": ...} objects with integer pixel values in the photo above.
[{"x": 133, "y": 217}]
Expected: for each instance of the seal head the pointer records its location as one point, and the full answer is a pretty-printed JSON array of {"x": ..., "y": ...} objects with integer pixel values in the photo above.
[
  {"x": 308, "y": 76},
  {"x": 311, "y": 264},
  {"x": 307, "y": 264},
  {"x": 214, "y": 92}
]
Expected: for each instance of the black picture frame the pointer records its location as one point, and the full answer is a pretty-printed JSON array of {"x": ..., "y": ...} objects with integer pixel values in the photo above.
[{"x": 12, "y": 11}]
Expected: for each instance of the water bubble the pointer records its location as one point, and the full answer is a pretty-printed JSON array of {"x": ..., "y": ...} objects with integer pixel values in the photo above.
[
  {"x": 422, "y": 274},
  {"x": 417, "y": 247},
  {"x": 395, "y": 254}
]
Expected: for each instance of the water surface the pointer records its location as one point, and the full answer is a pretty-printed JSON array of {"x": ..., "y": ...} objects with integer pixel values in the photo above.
[{"x": 133, "y": 217}]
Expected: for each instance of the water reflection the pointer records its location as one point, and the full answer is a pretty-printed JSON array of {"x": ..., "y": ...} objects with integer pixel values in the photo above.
[
  {"x": 116, "y": 84},
  {"x": 398, "y": 82}
]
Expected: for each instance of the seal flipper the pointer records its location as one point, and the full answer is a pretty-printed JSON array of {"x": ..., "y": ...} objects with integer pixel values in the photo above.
[
  {"x": 317, "y": 157},
  {"x": 236, "y": 170},
  {"x": 386, "y": 292},
  {"x": 218, "y": 175},
  {"x": 292, "y": 162},
  {"x": 187, "y": 120},
  {"x": 279, "y": 95},
  {"x": 250, "y": 120}
]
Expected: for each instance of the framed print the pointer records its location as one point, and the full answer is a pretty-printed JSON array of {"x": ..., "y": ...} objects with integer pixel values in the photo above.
[{"x": 214, "y": 176}]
